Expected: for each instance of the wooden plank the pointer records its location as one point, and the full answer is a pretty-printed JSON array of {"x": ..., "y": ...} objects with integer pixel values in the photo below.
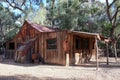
[
  {"x": 59, "y": 47},
  {"x": 63, "y": 35},
  {"x": 63, "y": 55},
  {"x": 97, "y": 53},
  {"x": 63, "y": 50},
  {"x": 44, "y": 46},
  {"x": 43, "y": 52},
  {"x": 72, "y": 54},
  {"x": 40, "y": 45}
]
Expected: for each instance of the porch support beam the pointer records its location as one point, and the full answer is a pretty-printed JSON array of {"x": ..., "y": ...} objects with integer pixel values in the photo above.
[
  {"x": 96, "y": 53},
  {"x": 67, "y": 59}
]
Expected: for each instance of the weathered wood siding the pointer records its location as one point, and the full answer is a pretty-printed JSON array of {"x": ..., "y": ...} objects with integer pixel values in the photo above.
[
  {"x": 71, "y": 53},
  {"x": 53, "y": 56}
]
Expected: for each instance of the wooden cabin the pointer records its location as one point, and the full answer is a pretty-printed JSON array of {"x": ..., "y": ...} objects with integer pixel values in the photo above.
[{"x": 54, "y": 46}]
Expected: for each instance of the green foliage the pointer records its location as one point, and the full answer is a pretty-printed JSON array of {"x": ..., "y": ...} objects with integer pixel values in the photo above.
[
  {"x": 11, "y": 33},
  {"x": 117, "y": 31},
  {"x": 64, "y": 14},
  {"x": 75, "y": 15},
  {"x": 38, "y": 17},
  {"x": 106, "y": 29},
  {"x": 7, "y": 23}
]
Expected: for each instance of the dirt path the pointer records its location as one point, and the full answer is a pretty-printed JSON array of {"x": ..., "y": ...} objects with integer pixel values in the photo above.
[{"x": 14, "y": 71}]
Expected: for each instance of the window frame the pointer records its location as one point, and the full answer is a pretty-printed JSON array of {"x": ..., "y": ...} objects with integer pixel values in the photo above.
[{"x": 51, "y": 44}]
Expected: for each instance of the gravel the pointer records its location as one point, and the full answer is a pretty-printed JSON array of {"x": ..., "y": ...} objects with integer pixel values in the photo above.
[{"x": 15, "y": 71}]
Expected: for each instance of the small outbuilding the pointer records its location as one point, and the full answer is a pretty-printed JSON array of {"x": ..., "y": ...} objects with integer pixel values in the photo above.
[{"x": 54, "y": 46}]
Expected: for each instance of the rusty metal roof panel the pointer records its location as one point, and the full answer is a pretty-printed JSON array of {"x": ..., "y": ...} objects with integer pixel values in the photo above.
[{"x": 42, "y": 28}]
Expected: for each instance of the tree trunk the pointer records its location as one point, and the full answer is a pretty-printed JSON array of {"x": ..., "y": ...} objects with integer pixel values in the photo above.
[
  {"x": 112, "y": 32},
  {"x": 115, "y": 51},
  {"x": 107, "y": 53}
]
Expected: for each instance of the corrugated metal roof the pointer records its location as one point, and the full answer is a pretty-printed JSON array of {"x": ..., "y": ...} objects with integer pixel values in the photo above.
[{"x": 42, "y": 28}]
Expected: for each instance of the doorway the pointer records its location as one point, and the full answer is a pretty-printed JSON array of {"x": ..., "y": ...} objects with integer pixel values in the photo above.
[{"x": 81, "y": 49}]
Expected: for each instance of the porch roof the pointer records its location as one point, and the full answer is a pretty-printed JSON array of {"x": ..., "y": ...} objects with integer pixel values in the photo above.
[{"x": 85, "y": 34}]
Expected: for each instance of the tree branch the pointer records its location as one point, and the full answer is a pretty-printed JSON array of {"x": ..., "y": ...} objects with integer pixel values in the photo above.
[
  {"x": 108, "y": 11},
  {"x": 107, "y": 3},
  {"x": 24, "y": 1},
  {"x": 111, "y": 18},
  {"x": 15, "y": 6},
  {"x": 118, "y": 37},
  {"x": 112, "y": 3},
  {"x": 117, "y": 10},
  {"x": 114, "y": 18}
]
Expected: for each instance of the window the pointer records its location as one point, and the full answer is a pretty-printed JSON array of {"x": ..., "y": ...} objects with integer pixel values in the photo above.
[
  {"x": 12, "y": 46},
  {"x": 52, "y": 43}
]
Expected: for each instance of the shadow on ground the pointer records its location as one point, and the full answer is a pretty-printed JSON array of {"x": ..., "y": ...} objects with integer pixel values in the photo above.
[
  {"x": 101, "y": 64},
  {"x": 29, "y": 77},
  {"x": 28, "y": 64},
  {"x": 87, "y": 65},
  {"x": 12, "y": 62}
]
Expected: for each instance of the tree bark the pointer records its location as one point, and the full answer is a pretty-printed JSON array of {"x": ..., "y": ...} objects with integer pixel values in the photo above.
[
  {"x": 107, "y": 53},
  {"x": 115, "y": 50},
  {"x": 113, "y": 21}
]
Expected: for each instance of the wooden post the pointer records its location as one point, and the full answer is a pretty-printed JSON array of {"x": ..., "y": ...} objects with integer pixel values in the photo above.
[
  {"x": 115, "y": 51},
  {"x": 107, "y": 54},
  {"x": 67, "y": 59},
  {"x": 96, "y": 53}
]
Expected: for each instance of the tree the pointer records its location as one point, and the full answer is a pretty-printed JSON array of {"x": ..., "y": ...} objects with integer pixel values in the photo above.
[
  {"x": 7, "y": 24},
  {"x": 21, "y": 4},
  {"x": 38, "y": 16},
  {"x": 112, "y": 10},
  {"x": 75, "y": 15},
  {"x": 69, "y": 14}
]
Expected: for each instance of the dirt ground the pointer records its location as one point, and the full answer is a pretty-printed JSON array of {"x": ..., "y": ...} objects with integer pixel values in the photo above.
[{"x": 16, "y": 71}]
